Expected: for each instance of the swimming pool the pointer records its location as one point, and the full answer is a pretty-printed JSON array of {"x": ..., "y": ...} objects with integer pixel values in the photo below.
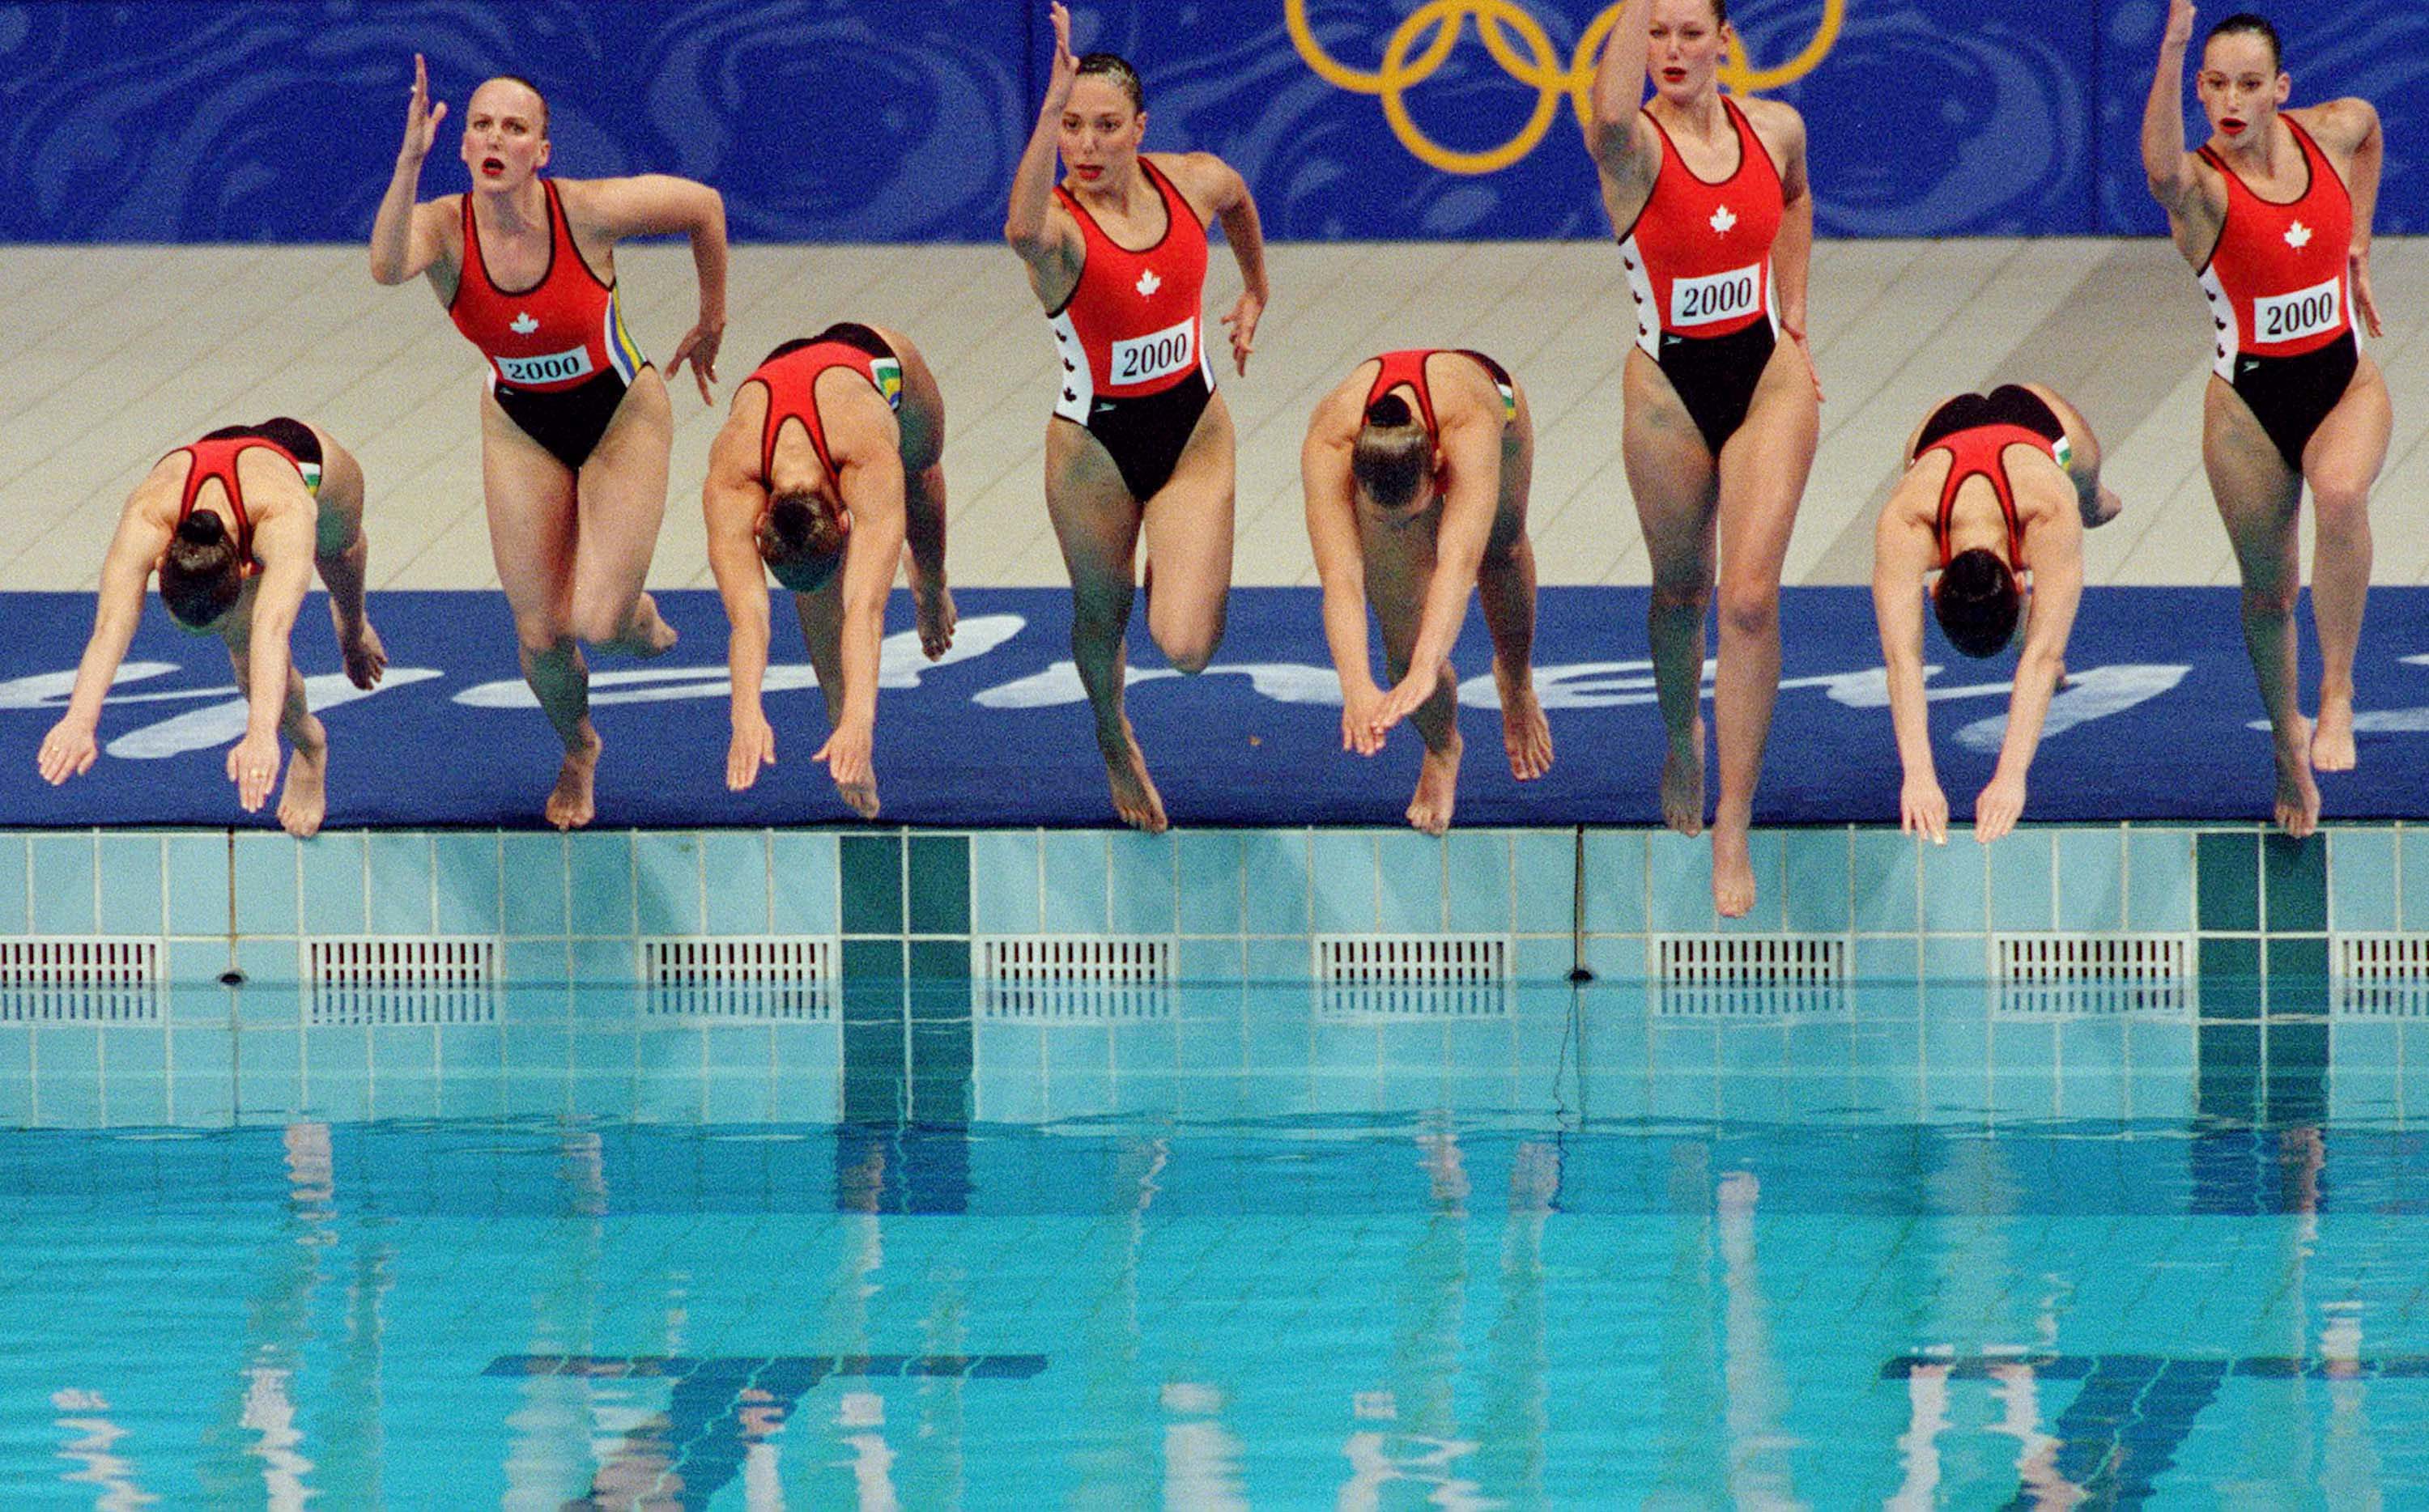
[{"x": 1213, "y": 1247}]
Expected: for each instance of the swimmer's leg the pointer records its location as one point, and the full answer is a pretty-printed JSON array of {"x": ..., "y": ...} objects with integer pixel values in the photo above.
[
  {"x": 2341, "y": 463},
  {"x": 1096, "y": 525},
  {"x": 2258, "y": 498},
  {"x": 532, "y": 536},
  {"x": 820, "y": 612},
  {"x": 1187, "y": 529},
  {"x": 342, "y": 554},
  {"x": 1675, "y": 487},
  {"x": 620, "y": 501},
  {"x": 1505, "y": 586}
]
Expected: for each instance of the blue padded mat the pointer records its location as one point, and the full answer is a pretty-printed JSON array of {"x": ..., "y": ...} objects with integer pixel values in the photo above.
[{"x": 2156, "y": 725}]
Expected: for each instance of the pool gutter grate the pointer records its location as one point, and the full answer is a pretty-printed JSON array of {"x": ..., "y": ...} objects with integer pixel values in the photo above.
[
  {"x": 2382, "y": 976},
  {"x": 784, "y": 978},
  {"x": 401, "y": 979},
  {"x": 83, "y": 979},
  {"x": 1765, "y": 961},
  {"x": 1074, "y": 978},
  {"x": 1411, "y": 960}
]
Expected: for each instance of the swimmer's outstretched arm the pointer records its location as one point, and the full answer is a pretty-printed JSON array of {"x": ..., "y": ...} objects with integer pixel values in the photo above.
[
  {"x": 732, "y": 499},
  {"x": 2057, "y": 556},
  {"x": 661, "y": 205},
  {"x": 2352, "y": 123},
  {"x": 283, "y": 544},
  {"x": 405, "y": 237},
  {"x": 871, "y": 485},
  {"x": 1901, "y": 555},
  {"x": 1615, "y": 138},
  {"x": 69, "y": 750},
  {"x": 1048, "y": 244},
  {"x": 1340, "y": 568},
  {"x": 1471, "y": 456},
  {"x": 2176, "y": 180}
]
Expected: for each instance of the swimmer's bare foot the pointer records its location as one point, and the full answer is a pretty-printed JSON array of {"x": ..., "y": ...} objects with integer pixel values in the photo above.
[
  {"x": 2298, "y": 796},
  {"x": 2332, "y": 737},
  {"x": 1525, "y": 732},
  {"x": 1437, "y": 789},
  {"x": 568, "y": 804},
  {"x": 645, "y": 634},
  {"x": 1682, "y": 784},
  {"x": 365, "y": 657},
  {"x": 1732, "y": 867},
  {"x": 938, "y": 618},
  {"x": 860, "y": 798},
  {"x": 303, "y": 797},
  {"x": 1135, "y": 796}
]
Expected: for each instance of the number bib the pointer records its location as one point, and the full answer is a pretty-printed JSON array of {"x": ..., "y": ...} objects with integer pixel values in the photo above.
[
  {"x": 1716, "y": 296},
  {"x": 2304, "y": 312},
  {"x": 1144, "y": 359},
  {"x": 556, "y": 368}
]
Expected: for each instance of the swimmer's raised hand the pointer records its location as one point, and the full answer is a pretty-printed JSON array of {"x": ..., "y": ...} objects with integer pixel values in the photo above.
[
  {"x": 1243, "y": 321},
  {"x": 1064, "y": 70},
  {"x": 2180, "y": 26},
  {"x": 422, "y": 118}
]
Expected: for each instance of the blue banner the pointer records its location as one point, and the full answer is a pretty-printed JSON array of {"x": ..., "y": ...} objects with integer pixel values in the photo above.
[
  {"x": 872, "y": 120},
  {"x": 2158, "y": 722}
]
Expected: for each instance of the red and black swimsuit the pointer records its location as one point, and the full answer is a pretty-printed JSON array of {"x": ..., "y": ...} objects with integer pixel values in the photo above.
[
  {"x": 2280, "y": 298},
  {"x": 1131, "y": 340},
  {"x": 791, "y": 375},
  {"x": 1976, "y": 430},
  {"x": 214, "y": 457},
  {"x": 1698, "y": 261},
  {"x": 560, "y": 359}
]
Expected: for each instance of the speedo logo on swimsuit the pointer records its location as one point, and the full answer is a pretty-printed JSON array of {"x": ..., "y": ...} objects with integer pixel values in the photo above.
[
  {"x": 555, "y": 368},
  {"x": 888, "y": 374},
  {"x": 1716, "y": 296},
  {"x": 1166, "y": 351},
  {"x": 2304, "y": 312}
]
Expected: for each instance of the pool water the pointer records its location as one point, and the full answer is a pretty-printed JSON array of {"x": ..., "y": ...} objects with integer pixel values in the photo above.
[{"x": 1231, "y": 1247}]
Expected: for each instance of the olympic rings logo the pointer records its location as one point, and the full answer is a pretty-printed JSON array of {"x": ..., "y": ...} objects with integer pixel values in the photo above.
[{"x": 1420, "y": 45}]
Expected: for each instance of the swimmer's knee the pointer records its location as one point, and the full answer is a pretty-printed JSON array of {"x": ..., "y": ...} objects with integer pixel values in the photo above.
[
  {"x": 1189, "y": 647},
  {"x": 1675, "y": 596},
  {"x": 600, "y": 618},
  {"x": 2271, "y": 600},
  {"x": 1749, "y": 612},
  {"x": 2342, "y": 506},
  {"x": 538, "y": 635}
]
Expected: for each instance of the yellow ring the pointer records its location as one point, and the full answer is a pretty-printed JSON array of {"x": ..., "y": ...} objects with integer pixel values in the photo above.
[{"x": 1494, "y": 21}]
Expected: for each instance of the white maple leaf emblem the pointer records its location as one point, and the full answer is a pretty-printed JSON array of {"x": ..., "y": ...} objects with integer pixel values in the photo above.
[
  {"x": 2298, "y": 236},
  {"x": 1148, "y": 283},
  {"x": 1723, "y": 220},
  {"x": 523, "y": 324}
]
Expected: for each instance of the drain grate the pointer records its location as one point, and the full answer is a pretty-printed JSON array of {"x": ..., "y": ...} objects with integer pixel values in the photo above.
[
  {"x": 784, "y": 977},
  {"x": 2093, "y": 999},
  {"x": 1750, "y": 959},
  {"x": 1074, "y": 957},
  {"x": 401, "y": 979},
  {"x": 2382, "y": 976},
  {"x": 1409, "y": 959},
  {"x": 2104, "y": 960},
  {"x": 83, "y": 981}
]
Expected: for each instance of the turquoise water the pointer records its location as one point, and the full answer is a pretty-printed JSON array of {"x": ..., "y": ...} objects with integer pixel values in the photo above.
[{"x": 1213, "y": 1247}]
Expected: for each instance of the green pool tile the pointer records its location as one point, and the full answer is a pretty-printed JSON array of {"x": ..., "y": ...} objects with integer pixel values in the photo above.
[
  {"x": 939, "y": 884},
  {"x": 870, "y": 871},
  {"x": 1139, "y": 883},
  {"x": 2158, "y": 878},
  {"x": 1815, "y": 900},
  {"x": 2293, "y": 961},
  {"x": 2022, "y": 884},
  {"x": 873, "y": 961},
  {"x": 2294, "y": 875},
  {"x": 2227, "y": 869},
  {"x": 2091, "y": 878},
  {"x": 2230, "y": 978},
  {"x": 939, "y": 960}
]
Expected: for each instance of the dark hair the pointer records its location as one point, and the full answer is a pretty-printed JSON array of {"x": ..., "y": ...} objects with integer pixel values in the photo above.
[
  {"x": 518, "y": 78},
  {"x": 1977, "y": 603},
  {"x": 200, "y": 577},
  {"x": 1394, "y": 457},
  {"x": 802, "y": 541},
  {"x": 1116, "y": 68},
  {"x": 2245, "y": 22}
]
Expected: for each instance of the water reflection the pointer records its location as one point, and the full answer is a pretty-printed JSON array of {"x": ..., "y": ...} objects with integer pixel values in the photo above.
[{"x": 1910, "y": 1246}]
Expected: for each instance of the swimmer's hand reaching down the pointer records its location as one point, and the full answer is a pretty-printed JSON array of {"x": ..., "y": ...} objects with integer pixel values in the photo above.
[
  {"x": 68, "y": 750},
  {"x": 1922, "y": 810}
]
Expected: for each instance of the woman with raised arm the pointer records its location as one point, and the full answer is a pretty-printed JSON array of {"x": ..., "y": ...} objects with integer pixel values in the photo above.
[
  {"x": 1140, "y": 443},
  {"x": 575, "y": 426},
  {"x": 1709, "y": 197},
  {"x": 2275, "y": 212}
]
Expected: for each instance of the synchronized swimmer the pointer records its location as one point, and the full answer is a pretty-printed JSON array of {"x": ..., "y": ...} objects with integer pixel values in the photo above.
[{"x": 828, "y": 470}]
